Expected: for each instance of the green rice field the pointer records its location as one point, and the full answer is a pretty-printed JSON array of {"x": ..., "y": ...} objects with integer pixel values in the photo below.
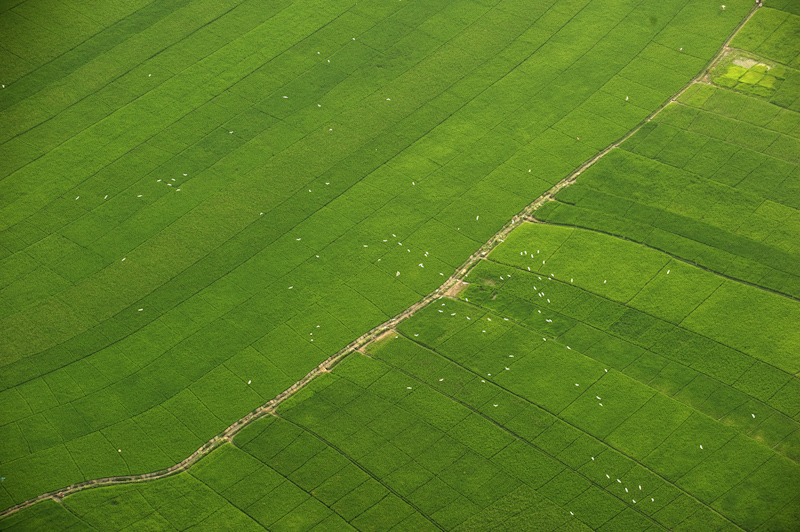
[{"x": 201, "y": 201}]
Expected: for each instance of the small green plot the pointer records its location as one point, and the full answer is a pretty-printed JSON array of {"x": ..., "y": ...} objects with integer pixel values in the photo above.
[
  {"x": 276, "y": 504},
  {"x": 643, "y": 431},
  {"x": 605, "y": 404},
  {"x": 729, "y": 465},
  {"x": 688, "y": 445}
]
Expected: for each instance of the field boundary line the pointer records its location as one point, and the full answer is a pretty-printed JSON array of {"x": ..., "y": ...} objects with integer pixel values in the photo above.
[{"x": 270, "y": 407}]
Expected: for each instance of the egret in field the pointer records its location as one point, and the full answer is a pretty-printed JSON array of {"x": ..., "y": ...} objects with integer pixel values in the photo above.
[
  {"x": 701, "y": 446},
  {"x": 248, "y": 382}
]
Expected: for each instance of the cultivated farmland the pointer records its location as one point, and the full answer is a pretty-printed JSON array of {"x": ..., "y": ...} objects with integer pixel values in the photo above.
[{"x": 202, "y": 201}]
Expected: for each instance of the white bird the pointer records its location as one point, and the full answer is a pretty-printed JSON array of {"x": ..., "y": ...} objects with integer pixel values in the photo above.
[
  {"x": 592, "y": 458},
  {"x": 248, "y": 382},
  {"x": 626, "y": 490},
  {"x": 701, "y": 446},
  {"x": 408, "y": 387},
  {"x": 576, "y": 384},
  {"x": 119, "y": 450},
  {"x": 397, "y": 274},
  {"x": 291, "y": 287},
  {"x": 440, "y": 380}
]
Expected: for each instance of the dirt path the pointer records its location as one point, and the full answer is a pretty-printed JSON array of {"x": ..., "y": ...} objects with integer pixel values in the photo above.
[{"x": 449, "y": 288}]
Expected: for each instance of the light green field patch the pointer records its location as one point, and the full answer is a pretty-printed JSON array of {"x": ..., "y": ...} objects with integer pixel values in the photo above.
[
  {"x": 757, "y": 322},
  {"x": 676, "y": 291}
]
